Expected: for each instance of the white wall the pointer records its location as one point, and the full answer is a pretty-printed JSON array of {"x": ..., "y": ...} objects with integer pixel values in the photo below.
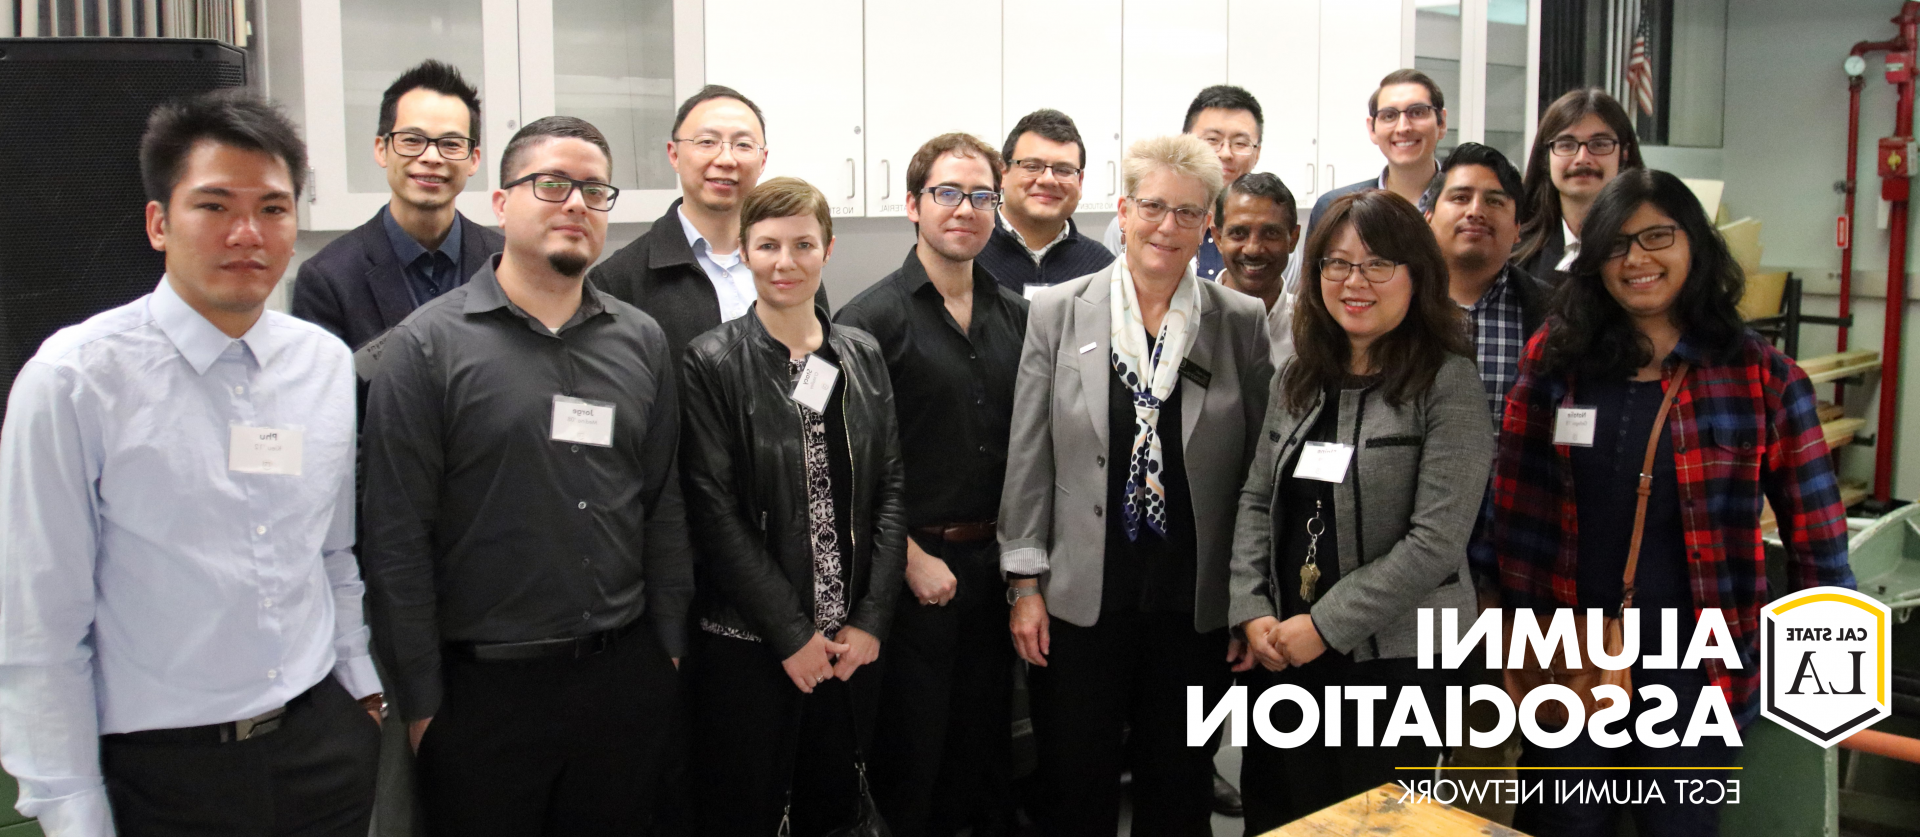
[{"x": 1786, "y": 134}]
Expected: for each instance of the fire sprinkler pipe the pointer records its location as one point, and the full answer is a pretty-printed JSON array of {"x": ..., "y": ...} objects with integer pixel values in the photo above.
[
  {"x": 1895, "y": 188},
  {"x": 1850, "y": 184}
]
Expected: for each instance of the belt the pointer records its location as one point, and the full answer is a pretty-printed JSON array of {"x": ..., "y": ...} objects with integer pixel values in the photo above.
[
  {"x": 572, "y": 648},
  {"x": 231, "y": 731},
  {"x": 958, "y": 532}
]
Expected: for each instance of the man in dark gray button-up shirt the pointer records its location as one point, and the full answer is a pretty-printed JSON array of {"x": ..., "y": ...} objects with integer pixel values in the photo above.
[{"x": 526, "y": 548}]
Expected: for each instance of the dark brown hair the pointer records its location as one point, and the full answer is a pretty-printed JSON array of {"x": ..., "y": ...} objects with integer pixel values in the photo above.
[
  {"x": 1410, "y": 355},
  {"x": 785, "y": 197},
  {"x": 230, "y": 117},
  {"x": 965, "y": 145},
  {"x": 1540, "y": 208},
  {"x": 1406, "y": 76},
  {"x": 548, "y": 128}
]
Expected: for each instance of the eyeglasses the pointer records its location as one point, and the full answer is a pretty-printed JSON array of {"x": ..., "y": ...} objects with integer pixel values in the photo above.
[
  {"x": 1598, "y": 146},
  {"x": 1416, "y": 113},
  {"x": 1152, "y": 212},
  {"x": 554, "y": 188},
  {"x": 1034, "y": 168},
  {"x": 950, "y": 196},
  {"x": 1241, "y": 145},
  {"x": 1373, "y": 270},
  {"x": 710, "y": 146},
  {"x": 1650, "y": 239},
  {"x": 410, "y": 144}
]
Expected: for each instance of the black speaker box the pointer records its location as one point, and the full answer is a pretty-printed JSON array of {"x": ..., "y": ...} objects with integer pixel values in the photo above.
[{"x": 72, "y": 211}]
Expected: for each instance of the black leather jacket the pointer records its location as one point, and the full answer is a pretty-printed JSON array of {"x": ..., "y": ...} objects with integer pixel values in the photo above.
[{"x": 744, "y": 468}]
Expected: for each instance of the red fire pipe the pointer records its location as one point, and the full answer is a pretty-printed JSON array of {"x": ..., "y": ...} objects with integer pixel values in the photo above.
[
  {"x": 1854, "y": 83},
  {"x": 1895, "y": 189}
]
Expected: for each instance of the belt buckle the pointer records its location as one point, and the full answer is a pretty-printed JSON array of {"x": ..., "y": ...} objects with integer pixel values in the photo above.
[
  {"x": 591, "y": 645},
  {"x": 257, "y": 725}
]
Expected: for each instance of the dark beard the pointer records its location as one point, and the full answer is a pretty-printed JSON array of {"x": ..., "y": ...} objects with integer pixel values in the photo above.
[{"x": 569, "y": 265}]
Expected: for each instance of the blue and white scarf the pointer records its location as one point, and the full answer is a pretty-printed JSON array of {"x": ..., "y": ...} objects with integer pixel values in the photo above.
[{"x": 1151, "y": 381}]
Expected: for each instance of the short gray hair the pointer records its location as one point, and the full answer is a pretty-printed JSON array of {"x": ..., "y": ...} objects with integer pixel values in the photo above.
[{"x": 1180, "y": 154}]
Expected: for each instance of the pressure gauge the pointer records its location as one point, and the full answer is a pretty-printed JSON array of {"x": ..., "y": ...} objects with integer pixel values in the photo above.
[{"x": 1854, "y": 65}]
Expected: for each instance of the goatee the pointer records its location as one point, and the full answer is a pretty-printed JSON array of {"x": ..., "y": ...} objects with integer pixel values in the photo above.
[{"x": 570, "y": 265}]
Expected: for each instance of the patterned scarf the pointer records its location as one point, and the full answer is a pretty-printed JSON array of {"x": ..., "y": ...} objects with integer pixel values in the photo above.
[{"x": 1151, "y": 381}]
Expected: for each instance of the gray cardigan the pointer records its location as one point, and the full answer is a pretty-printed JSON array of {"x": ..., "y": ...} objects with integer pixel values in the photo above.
[
  {"x": 1051, "y": 522},
  {"x": 1403, "y": 515}
]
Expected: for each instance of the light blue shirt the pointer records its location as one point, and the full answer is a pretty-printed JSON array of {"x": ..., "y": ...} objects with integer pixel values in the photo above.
[
  {"x": 143, "y": 584},
  {"x": 732, "y": 280}
]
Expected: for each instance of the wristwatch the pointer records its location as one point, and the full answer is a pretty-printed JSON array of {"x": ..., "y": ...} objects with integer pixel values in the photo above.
[{"x": 1016, "y": 593}]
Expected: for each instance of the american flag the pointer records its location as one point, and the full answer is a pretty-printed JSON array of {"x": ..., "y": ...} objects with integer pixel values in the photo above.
[{"x": 1640, "y": 68}]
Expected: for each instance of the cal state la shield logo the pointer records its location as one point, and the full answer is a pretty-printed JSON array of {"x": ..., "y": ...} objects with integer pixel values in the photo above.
[{"x": 1825, "y": 663}]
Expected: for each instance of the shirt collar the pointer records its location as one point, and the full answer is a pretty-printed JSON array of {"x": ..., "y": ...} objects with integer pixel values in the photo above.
[
  {"x": 197, "y": 339},
  {"x": 485, "y": 294},
  {"x": 1066, "y": 231},
  {"x": 1566, "y": 230},
  {"x": 408, "y": 250},
  {"x": 1382, "y": 182},
  {"x": 1494, "y": 291},
  {"x": 919, "y": 282},
  {"x": 695, "y": 241}
]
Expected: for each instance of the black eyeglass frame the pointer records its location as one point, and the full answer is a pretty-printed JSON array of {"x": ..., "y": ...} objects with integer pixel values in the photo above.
[
  {"x": 1554, "y": 146},
  {"x": 991, "y": 199},
  {"x": 1021, "y": 164},
  {"x": 1360, "y": 267},
  {"x": 1623, "y": 243},
  {"x": 1432, "y": 113},
  {"x": 434, "y": 142},
  {"x": 573, "y": 186}
]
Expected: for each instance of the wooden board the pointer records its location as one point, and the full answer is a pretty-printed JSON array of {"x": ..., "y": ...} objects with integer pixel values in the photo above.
[
  {"x": 1840, "y": 431},
  {"x": 1829, "y": 412},
  {"x": 1380, "y": 812},
  {"x": 1854, "y": 493},
  {"x": 1842, "y": 365}
]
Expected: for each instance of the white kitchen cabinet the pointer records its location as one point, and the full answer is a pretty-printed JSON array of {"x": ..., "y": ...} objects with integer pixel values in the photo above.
[
  {"x": 930, "y": 70},
  {"x": 1077, "y": 75},
  {"x": 1173, "y": 49},
  {"x": 801, "y": 63},
  {"x": 1273, "y": 50},
  {"x": 1360, "y": 41}
]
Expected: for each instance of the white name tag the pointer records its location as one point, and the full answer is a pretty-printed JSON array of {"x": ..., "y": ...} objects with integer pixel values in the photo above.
[
  {"x": 265, "y": 450},
  {"x": 1574, "y": 426},
  {"x": 1323, "y": 461},
  {"x": 582, "y": 422},
  {"x": 816, "y": 383}
]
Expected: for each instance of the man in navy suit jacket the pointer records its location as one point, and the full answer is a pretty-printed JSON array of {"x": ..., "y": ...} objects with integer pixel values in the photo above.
[{"x": 418, "y": 246}]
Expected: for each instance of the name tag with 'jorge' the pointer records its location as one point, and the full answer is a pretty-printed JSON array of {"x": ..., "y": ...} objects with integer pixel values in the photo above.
[{"x": 582, "y": 422}]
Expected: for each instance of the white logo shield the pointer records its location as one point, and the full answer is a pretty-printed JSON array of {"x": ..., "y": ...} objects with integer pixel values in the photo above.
[{"x": 1825, "y": 663}]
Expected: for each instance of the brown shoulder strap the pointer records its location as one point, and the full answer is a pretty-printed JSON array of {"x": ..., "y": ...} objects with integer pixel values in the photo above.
[{"x": 1646, "y": 484}]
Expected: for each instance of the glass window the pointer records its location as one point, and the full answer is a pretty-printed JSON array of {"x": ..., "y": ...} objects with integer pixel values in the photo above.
[
  {"x": 1506, "y": 94},
  {"x": 1436, "y": 52},
  {"x": 379, "y": 40},
  {"x": 613, "y": 66}
]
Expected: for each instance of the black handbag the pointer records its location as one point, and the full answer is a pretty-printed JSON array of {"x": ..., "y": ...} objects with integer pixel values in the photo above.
[{"x": 867, "y": 821}]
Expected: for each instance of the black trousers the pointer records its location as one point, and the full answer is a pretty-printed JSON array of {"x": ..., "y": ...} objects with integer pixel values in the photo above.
[
  {"x": 1117, "y": 686},
  {"x": 943, "y": 738},
  {"x": 745, "y": 713},
  {"x": 312, "y": 776},
  {"x": 554, "y": 746},
  {"x": 1280, "y": 786}
]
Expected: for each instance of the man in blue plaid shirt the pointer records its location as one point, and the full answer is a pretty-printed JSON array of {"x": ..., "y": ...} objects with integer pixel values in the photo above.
[{"x": 1471, "y": 207}]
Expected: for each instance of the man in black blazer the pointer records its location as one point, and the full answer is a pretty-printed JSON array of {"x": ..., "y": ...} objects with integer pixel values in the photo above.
[{"x": 418, "y": 246}]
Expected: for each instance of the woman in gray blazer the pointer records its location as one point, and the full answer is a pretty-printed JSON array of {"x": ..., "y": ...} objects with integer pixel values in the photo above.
[
  {"x": 1140, "y": 391},
  {"x": 1360, "y": 501}
]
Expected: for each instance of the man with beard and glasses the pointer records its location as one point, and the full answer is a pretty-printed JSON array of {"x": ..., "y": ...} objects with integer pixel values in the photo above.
[
  {"x": 1257, "y": 223},
  {"x": 1036, "y": 243},
  {"x": 1585, "y": 141},
  {"x": 417, "y": 246},
  {"x": 526, "y": 548}
]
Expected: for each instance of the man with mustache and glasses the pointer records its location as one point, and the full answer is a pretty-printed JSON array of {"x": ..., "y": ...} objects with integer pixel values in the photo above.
[
  {"x": 418, "y": 246},
  {"x": 1585, "y": 141},
  {"x": 1257, "y": 224},
  {"x": 1036, "y": 243},
  {"x": 951, "y": 336},
  {"x": 1228, "y": 120},
  {"x": 526, "y": 548}
]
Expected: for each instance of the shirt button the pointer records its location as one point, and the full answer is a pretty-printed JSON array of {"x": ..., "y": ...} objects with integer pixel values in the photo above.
[
  {"x": 585, "y": 615},
  {"x": 272, "y": 673},
  {"x": 259, "y": 530},
  {"x": 239, "y": 390},
  {"x": 1096, "y": 511},
  {"x": 576, "y": 448},
  {"x": 1101, "y": 460},
  {"x": 583, "y": 504},
  {"x": 983, "y": 448},
  {"x": 266, "y": 603}
]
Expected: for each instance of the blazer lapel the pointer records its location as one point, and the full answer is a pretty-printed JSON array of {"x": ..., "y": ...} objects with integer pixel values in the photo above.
[
  {"x": 476, "y": 246},
  {"x": 385, "y": 282},
  {"x": 1194, "y": 396},
  {"x": 1092, "y": 327}
]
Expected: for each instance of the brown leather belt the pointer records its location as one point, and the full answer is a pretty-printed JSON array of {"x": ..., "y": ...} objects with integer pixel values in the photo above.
[
  {"x": 962, "y": 533},
  {"x": 574, "y": 647}
]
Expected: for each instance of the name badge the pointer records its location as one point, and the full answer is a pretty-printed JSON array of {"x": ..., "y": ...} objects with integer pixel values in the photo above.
[
  {"x": 816, "y": 383},
  {"x": 1574, "y": 426},
  {"x": 582, "y": 422},
  {"x": 265, "y": 450},
  {"x": 1323, "y": 461}
]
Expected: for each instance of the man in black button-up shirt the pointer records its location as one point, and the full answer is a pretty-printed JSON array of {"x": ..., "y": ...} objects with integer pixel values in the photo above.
[
  {"x": 952, "y": 339},
  {"x": 526, "y": 549}
]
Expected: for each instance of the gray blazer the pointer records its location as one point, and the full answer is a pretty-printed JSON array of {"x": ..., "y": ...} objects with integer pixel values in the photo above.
[
  {"x": 1403, "y": 515},
  {"x": 1051, "y": 522}
]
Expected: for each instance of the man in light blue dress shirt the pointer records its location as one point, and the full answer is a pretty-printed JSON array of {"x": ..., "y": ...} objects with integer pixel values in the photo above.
[{"x": 181, "y": 642}]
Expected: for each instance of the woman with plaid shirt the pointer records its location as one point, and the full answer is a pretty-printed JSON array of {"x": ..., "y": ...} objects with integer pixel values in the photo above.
[{"x": 1653, "y": 297}]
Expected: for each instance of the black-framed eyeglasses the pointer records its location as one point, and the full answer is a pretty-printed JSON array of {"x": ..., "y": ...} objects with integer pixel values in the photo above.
[
  {"x": 1375, "y": 270},
  {"x": 1241, "y": 146},
  {"x": 1417, "y": 113},
  {"x": 410, "y": 144},
  {"x": 710, "y": 146},
  {"x": 554, "y": 188},
  {"x": 950, "y": 196},
  {"x": 1598, "y": 146},
  {"x": 1650, "y": 239},
  {"x": 1153, "y": 212},
  {"x": 1034, "y": 167}
]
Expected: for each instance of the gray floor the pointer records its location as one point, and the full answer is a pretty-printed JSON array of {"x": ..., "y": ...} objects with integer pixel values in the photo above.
[{"x": 1228, "y": 761}]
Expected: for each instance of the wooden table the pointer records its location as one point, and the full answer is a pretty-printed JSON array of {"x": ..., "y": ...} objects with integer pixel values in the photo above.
[{"x": 1380, "y": 812}]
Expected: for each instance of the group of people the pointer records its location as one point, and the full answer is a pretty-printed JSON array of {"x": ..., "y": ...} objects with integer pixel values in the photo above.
[{"x": 665, "y": 544}]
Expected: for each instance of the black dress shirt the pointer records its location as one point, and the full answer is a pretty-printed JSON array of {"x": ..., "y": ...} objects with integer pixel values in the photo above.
[
  {"x": 952, "y": 390},
  {"x": 429, "y": 273},
  {"x": 1606, "y": 480},
  {"x": 1151, "y": 574},
  {"x": 480, "y": 527}
]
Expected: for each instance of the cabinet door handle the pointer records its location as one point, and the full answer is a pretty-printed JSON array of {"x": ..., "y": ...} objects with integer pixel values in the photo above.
[
  {"x": 1113, "y": 179},
  {"x": 853, "y": 179},
  {"x": 886, "y": 180},
  {"x": 1313, "y": 179},
  {"x": 1330, "y": 180}
]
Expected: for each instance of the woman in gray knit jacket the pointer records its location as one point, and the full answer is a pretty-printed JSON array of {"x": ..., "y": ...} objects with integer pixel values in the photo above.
[{"x": 1357, "y": 510}]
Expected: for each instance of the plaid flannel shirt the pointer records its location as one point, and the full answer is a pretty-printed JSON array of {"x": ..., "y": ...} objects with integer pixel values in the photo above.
[{"x": 1741, "y": 431}]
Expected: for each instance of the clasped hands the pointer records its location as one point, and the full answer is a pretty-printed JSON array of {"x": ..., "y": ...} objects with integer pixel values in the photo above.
[
  {"x": 822, "y": 658},
  {"x": 1275, "y": 644}
]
